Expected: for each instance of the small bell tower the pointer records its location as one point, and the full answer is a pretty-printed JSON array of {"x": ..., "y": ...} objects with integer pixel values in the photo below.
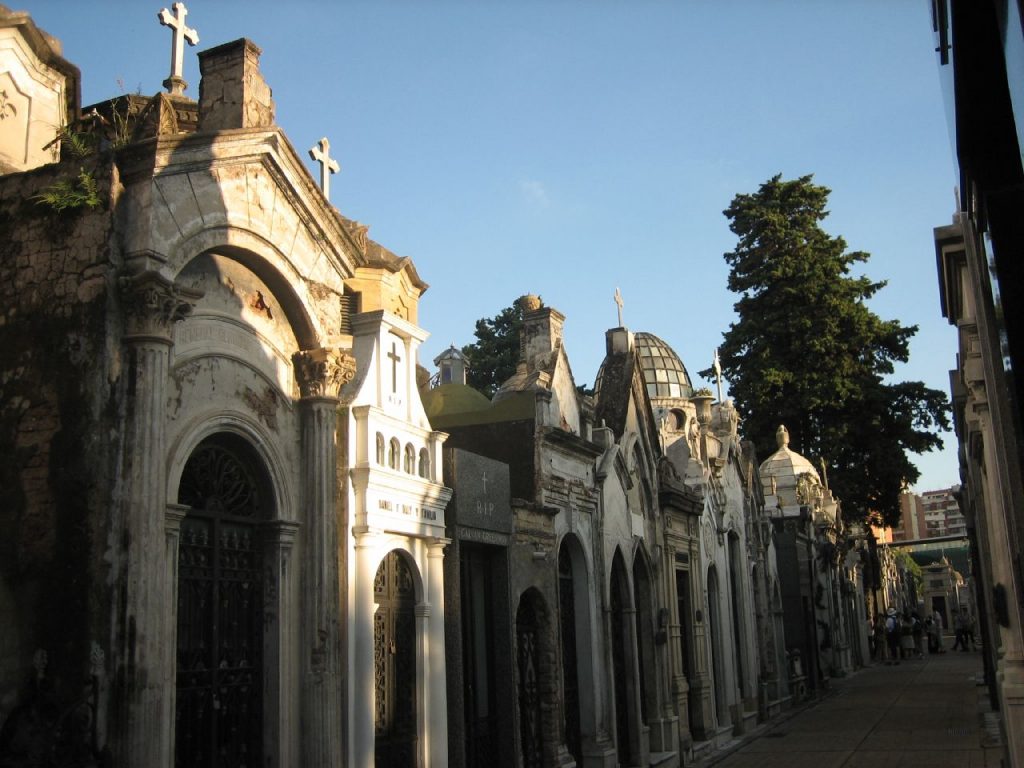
[{"x": 451, "y": 365}]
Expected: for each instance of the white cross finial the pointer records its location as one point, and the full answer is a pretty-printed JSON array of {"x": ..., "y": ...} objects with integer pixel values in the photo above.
[
  {"x": 322, "y": 154},
  {"x": 180, "y": 34},
  {"x": 620, "y": 303}
]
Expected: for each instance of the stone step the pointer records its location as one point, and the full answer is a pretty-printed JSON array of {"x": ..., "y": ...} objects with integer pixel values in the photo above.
[{"x": 664, "y": 759}]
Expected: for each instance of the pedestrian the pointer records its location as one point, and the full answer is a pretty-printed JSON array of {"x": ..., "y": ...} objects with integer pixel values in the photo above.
[
  {"x": 878, "y": 638},
  {"x": 937, "y": 621},
  {"x": 892, "y": 636},
  {"x": 960, "y": 630},
  {"x": 969, "y": 632},
  {"x": 932, "y": 634},
  {"x": 917, "y": 632},
  {"x": 906, "y": 636}
]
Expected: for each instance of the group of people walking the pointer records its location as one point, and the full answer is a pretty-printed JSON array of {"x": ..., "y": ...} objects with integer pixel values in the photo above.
[{"x": 899, "y": 636}]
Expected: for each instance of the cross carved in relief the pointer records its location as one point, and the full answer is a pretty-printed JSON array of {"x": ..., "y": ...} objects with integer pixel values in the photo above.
[{"x": 395, "y": 360}]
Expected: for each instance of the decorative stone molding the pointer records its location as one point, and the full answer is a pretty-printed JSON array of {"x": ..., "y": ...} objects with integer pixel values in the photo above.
[
  {"x": 322, "y": 372},
  {"x": 153, "y": 303}
]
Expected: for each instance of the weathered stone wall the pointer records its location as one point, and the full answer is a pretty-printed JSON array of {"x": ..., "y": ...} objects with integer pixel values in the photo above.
[
  {"x": 508, "y": 442},
  {"x": 56, "y": 439}
]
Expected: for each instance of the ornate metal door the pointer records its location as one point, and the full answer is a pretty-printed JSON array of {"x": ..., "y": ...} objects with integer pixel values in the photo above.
[
  {"x": 394, "y": 656},
  {"x": 531, "y": 734},
  {"x": 219, "y": 707}
]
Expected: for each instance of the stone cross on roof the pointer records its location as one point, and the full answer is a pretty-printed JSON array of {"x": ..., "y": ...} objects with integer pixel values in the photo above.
[
  {"x": 180, "y": 34},
  {"x": 620, "y": 303},
  {"x": 321, "y": 154}
]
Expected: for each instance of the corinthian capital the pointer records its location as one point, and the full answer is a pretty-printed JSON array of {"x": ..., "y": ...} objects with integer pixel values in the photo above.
[
  {"x": 322, "y": 372},
  {"x": 153, "y": 303}
]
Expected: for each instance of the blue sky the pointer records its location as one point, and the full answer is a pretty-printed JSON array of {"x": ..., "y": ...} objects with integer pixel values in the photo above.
[{"x": 567, "y": 148}]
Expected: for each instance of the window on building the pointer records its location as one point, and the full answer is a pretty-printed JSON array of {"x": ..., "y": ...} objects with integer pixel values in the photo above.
[
  {"x": 394, "y": 452},
  {"x": 424, "y": 464},
  {"x": 380, "y": 449},
  {"x": 410, "y": 459}
]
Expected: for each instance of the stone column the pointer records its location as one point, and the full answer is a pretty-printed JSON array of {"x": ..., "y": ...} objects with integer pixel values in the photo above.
[
  {"x": 173, "y": 516},
  {"x": 700, "y": 686},
  {"x": 152, "y": 304},
  {"x": 436, "y": 679},
  {"x": 641, "y": 746},
  {"x": 320, "y": 373},
  {"x": 282, "y": 724},
  {"x": 676, "y": 702},
  {"x": 361, "y": 687}
]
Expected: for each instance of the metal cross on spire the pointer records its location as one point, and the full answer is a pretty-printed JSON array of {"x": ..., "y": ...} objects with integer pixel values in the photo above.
[
  {"x": 180, "y": 34},
  {"x": 620, "y": 303},
  {"x": 717, "y": 367},
  {"x": 322, "y": 154}
]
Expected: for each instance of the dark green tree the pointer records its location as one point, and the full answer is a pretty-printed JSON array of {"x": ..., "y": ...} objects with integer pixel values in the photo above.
[
  {"x": 807, "y": 352},
  {"x": 494, "y": 355}
]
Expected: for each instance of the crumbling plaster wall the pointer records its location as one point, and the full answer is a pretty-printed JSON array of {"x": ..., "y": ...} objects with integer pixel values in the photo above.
[{"x": 57, "y": 436}]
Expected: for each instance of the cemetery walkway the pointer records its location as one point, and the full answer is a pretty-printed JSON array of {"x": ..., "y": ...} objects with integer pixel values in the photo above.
[{"x": 929, "y": 712}]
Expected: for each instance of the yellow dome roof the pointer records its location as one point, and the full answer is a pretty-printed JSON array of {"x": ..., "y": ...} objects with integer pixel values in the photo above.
[{"x": 449, "y": 399}]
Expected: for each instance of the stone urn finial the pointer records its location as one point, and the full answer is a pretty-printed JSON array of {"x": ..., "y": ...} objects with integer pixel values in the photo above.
[
  {"x": 782, "y": 436},
  {"x": 702, "y": 401},
  {"x": 530, "y": 302}
]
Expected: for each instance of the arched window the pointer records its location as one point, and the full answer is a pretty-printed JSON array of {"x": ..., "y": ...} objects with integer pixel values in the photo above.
[
  {"x": 394, "y": 453},
  {"x": 676, "y": 420},
  {"x": 410, "y": 459},
  {"x": 380, "y": 449},
  {"x": 424, "y": 463}
]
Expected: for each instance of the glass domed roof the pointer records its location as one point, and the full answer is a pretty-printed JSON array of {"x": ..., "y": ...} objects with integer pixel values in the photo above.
[{"x": 663, "y": 371}]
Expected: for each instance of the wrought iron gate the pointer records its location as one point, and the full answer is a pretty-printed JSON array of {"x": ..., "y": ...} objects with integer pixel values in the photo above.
[
  {"x": 394, "y": 657},
  {"x": 531, "y": 735},
  {"x": 219, "y": 707}
]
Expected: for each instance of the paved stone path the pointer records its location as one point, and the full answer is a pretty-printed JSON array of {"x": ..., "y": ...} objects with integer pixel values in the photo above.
[{"x": 924, "y": 713}]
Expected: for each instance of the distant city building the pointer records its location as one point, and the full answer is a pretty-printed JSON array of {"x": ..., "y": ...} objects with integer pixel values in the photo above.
[
  {"x": 929, "y": 515},
  {"x": 942, "y": 515}
]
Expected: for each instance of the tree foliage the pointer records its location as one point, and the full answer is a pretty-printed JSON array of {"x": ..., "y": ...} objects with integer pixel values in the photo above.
[
  {"x": 495, "y": 354},
  {"x": 807, "y": 352}
]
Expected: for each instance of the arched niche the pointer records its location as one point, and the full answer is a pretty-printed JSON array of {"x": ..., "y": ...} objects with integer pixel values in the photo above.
[
  {"x": 648, "y": 624},
  {"x": 283, "y": 281},
  {"x": 574, "y": 613},
  {"x": 395, "y": 661}
]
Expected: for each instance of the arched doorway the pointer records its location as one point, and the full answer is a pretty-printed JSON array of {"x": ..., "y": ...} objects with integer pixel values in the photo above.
[
  {"x": 533, "y": 677},
  {"x": 684, "y": 605},
  {"x": 736, "y": 592},
  {"x": 219, "y": 699},
  {"x": 643, "y": 600},
  {"x": 622, "y": 660},
  {"x": 715, "y": 629},
  {"x": 394, "y": 663},
  {"x": 570, "y": 660}
]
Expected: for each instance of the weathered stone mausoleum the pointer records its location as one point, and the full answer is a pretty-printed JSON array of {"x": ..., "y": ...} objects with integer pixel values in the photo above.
[{"x": 220, "y": 491}]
